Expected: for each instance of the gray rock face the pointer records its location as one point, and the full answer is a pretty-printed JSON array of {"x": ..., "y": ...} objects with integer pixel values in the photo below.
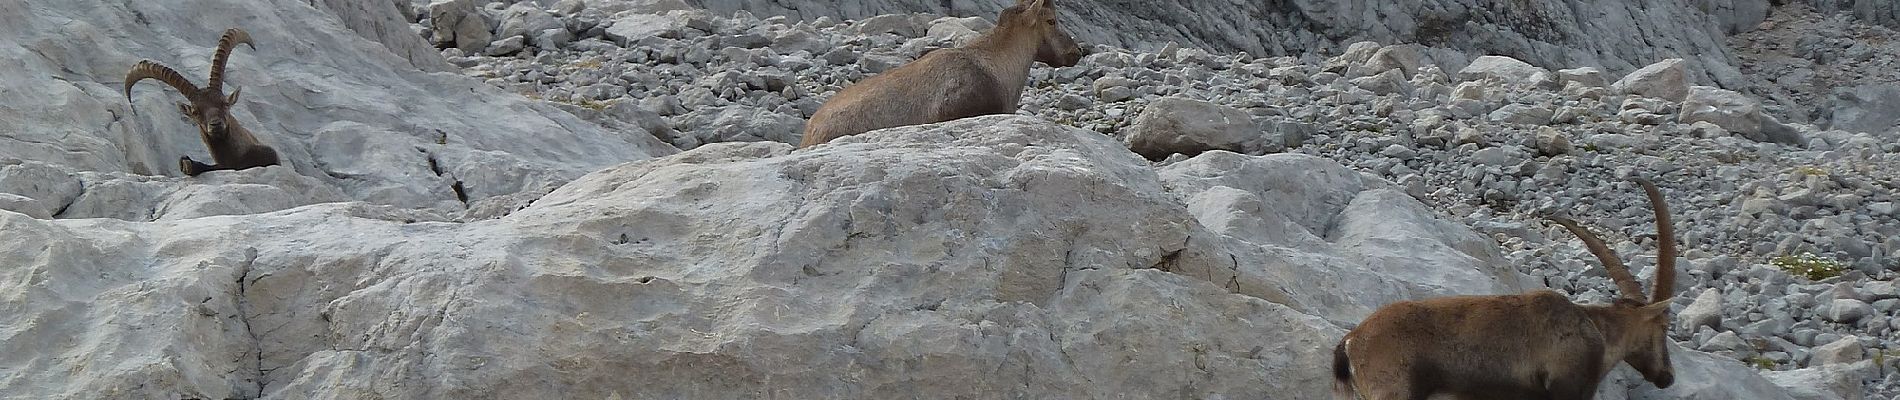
[
  {"x": 1301, "y": 230},
  {"x": 1875, "y": 12},
  {"x": 1865, "y": 108},
  {"x": 24, "y": 205},
  {"x": 1186, "y": 126},
  {"x": 373, "y": 20},
  {"x": 737, "y": 124},
  {"x": 525, "y": 19},
  {"x": 1734, "y": 16},
  {"x": 351, "y": 119},
  {"x": 1827, "y": 382}
]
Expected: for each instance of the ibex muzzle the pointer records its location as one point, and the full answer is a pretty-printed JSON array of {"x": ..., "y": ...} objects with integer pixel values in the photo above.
[
  {"x": 1536, "y": 345},
  {"x": 232, "y": 147},
  {"x": 983, "y": 77}
]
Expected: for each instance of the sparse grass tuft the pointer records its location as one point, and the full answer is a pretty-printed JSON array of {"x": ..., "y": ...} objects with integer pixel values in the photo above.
[
  {"x": 584, "y": 103},
  {"x": 1810, "y": 170},
  {"x": 1810, "y": 266},
  {"x": 1759, "y": 362}
]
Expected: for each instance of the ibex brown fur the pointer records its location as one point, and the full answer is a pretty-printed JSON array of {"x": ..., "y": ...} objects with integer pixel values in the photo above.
[
  {"x": 232, "y": 147},
  {"x": 984, "y": 77},
  {"x": 1536, "y": 345}
]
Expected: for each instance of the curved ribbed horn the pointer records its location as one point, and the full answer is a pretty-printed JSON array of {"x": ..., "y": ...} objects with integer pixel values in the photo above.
[
  {"x": 232, "y": 37},
  {"x": 150, "y": 69},
  {"x": 1665, "y": 244},
  {"x": 1625, "y": 282}
]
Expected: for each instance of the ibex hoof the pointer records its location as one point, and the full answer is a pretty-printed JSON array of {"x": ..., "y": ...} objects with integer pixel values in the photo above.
[{"x": 189, "y": 167}]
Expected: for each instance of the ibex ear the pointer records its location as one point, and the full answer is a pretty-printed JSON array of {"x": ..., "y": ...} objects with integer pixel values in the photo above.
[
  {"x": 1658, "y": 309},
  {"x": 232, "y": 99}
]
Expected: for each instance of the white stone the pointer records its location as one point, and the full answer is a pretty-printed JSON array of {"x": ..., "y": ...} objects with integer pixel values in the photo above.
[
  {"x": 459, "y": 23},
  {"x": 1500, "y": 68},
  {"x": 1667, "y": 79},
  {"x": 1843, "y": 351},
  {"x": 1848, "y": 310},
  {"x": 1181, "y": 125},
  {"x": 1586, "y": 76},
  {"x": 1706, "y": 310},
  {"x": 1725, "y": 108}
]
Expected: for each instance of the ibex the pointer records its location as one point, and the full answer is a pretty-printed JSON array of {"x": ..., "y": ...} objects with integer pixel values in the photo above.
[
  {"x": 1535, "y": 345},
  {"x": 232, "y": 147},
  {"x": 983, "y": 77}
]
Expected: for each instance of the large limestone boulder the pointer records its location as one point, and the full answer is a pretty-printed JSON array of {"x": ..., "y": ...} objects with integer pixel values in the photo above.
[
  {"x": 1826, "y": 382},
  {"x": 1310, "y": 233},
  {"x": 348, "y": 114},
  {"x": 1178, "y": 125},
  {"x": 1736, "y": 113},
  {"x": 1699, "y": 376},
  {"x": 924, "y": 261},
  {"x": 1505, "y": 69},
  {"x": 1666, "y": 79},
  {"x": 997, "y": 256}
]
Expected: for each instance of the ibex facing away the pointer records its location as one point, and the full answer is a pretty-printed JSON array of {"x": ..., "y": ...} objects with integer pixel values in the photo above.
[
  {"x": 232, "y": 147},
  {"x": 984, "y": 77},
  {"x": 1535, "y": 345}
]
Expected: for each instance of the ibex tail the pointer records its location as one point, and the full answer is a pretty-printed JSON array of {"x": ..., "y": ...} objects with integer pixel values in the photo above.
[{"x": 1342, "y": 373}]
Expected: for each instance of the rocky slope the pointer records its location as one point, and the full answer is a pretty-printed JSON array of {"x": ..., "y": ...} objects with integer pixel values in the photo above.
[
  {"x": 1492, "y": 145},
  {"x": 1616, "y": 35},
  {"x": 1000, "y": 256},
  {"x": 1813, "y": 64}
]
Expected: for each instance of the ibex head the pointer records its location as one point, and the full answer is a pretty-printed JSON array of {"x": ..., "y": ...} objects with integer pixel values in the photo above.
[
  {"x": 208, "y": 107},
  {"x": 1643, "y": 322},
  {"x": 1055, "y": 47},
  {"x": 231, "y": 146}
]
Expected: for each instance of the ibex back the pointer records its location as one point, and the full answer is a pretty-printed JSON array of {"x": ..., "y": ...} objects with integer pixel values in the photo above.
[
  {"x": 232, "y": 147},
  {"x": 984, "y": 77},
  {"x": 1536, "y": 345}
]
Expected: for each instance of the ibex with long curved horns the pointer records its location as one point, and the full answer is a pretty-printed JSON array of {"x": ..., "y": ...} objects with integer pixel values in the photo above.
[
  {"x": 1535, "y": 345},
  {"x": 232, "y": 147},
  {"x": 983, "y": 77}
]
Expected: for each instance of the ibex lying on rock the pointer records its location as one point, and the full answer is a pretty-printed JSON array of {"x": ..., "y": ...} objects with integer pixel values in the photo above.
[
  {"x": 984, "y": 77},
  {"x": 1535, "y": 345},
  {"x": 232, "y": 147}
]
